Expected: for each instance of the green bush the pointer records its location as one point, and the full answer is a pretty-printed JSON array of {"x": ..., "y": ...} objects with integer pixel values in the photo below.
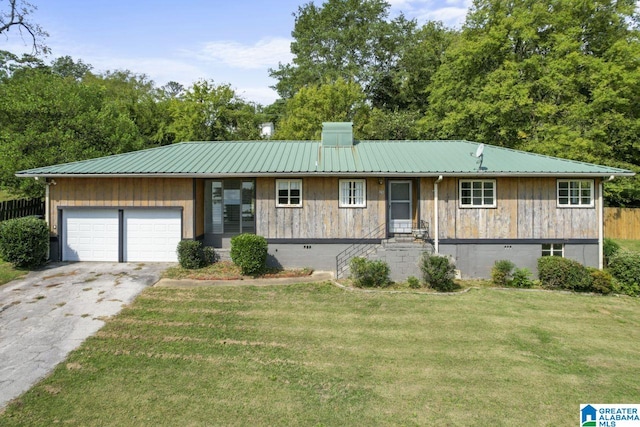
[
  {"x": 24, "y": 242},
  {"x": 249, "y": 252},
  {"x": 501, "y": 272},
  {"x": 609, "y": 248},
  {"x": 413, "y": 282},
  {"x": 601, "y": 281},
  {"x": 438, "y": 272},
  {"x": 192, "y": 255},
  {"x": 562, "y": 273},
  {"x": 369, "y": 274},
  {"x": 625, "y": 268},
  {"x": 521, "y": 278}
]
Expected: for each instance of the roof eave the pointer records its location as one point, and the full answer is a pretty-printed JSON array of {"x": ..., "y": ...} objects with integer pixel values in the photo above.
[{"x": 312, "y": 173}]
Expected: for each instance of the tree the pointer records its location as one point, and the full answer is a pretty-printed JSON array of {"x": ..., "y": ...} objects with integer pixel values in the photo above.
[
  {"x": 348, "y": 39},
  {"x": 17, "y": 17},
  {"x": 209, "y": 112},
  {"x": 339, "y": 101}
]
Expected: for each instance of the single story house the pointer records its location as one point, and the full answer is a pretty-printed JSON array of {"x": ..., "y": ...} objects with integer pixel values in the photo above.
[{"x": 319, "y": 203}]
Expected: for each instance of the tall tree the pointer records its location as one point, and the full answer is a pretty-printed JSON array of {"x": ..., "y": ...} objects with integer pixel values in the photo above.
[
  {"x": 209, "y": 112},
  {"x": 338, "y": 101},
  {"x": 558, "y": 77},
  {"x": 349, "y": 39}
]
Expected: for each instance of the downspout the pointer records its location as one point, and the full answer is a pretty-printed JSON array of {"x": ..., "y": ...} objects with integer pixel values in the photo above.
[
  {"x": 46, "y": 203},
  {"x": 436, "y": 228},
  {"x": 601, "y": 223}
]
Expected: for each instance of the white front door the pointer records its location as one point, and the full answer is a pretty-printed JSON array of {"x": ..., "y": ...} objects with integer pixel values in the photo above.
[
  {"x": 400, "y": 207},
  {"x": 151, "y": 234},
  {"x": 90, "y": 235}
]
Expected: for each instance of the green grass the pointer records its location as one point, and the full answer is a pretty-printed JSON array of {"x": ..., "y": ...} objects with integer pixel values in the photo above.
[
  {"x": 631, "y": 245},
  {"x": 315, "y": 354},
  {"x": 8, "y": 273}
]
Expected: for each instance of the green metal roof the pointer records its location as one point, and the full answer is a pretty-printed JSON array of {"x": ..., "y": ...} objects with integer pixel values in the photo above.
[{"x": 264, "y": 158}]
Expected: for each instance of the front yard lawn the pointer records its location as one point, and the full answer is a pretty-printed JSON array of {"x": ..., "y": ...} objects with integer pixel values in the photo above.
[
  {"x": 8, "y": 273},
  {"x": 315, "y": 354}
]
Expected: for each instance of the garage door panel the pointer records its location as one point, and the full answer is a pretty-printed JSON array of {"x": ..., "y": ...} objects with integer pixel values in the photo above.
[
  {"x": 152, "y": 234},
  {"x": 90, "y": 235}
]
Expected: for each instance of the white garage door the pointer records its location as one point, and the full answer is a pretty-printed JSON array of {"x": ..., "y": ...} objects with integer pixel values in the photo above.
[
  {"x": 90, "y": 235},
  {"x": 151, "y": 234}
]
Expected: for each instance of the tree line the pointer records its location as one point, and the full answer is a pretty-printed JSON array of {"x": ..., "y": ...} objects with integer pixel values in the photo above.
[{"x": 555, "y": 77}]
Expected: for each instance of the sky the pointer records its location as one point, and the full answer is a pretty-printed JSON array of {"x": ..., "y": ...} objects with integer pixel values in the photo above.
[{"x": 228, "y": 41}]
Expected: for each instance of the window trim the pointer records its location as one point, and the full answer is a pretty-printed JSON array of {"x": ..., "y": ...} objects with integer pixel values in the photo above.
[
  {"x": 553, "y": 249},
  {"x": 346, "y": 204},
  {"x": 483, "y": 205},
  {"x": 288, "y": 205},
  {"x": 579, "y": 204}
]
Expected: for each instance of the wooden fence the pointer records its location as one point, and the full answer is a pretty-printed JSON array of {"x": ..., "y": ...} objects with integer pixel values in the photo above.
[
  {"x": 21, "y": 207},
  {"x": 622, "y": 223}
]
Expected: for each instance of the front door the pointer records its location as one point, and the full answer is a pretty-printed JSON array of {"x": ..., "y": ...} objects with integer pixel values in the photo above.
[{"x": 400, "y": 207}]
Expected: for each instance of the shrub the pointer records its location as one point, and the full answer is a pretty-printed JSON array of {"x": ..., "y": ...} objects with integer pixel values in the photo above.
[
  {"x": 501, "y": 272},
  {"x": 191, "y": 254},
  {"x": 625, "y": 268},
  {"x": 601, "y": 281},
  {"x": 209, "y": 255},
  {"x": 367, "y": 274},
  {"x": 413, "y": 282},
  {"x": 438, "y": 272},
  {"x": 24, "y": 242},
  {"x": 610, "y": 248},
  {"x": 562, "y": 273},
  {"x": 249, "y": 252},
  {"x": 521, "y": 278}
]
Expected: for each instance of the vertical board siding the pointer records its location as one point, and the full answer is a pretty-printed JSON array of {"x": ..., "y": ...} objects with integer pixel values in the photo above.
[
  {"x": 123, "y": 193},
  {"x": 319, "y": 217},
  {"x": 526, "y": 208},
  {"x": 622, "y": 223}
]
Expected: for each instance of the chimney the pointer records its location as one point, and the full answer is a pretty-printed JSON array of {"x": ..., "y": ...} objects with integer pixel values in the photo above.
[{"x": 337, "y": 134}]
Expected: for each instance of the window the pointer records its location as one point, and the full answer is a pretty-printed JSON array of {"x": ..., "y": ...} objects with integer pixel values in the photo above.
[
  {"x": 575, "y": 193},
  {"x": 553, "y": 249},
  {"x": 352, "y": 193},
  {"x": 477, "y": 193},
  {"x": 289, "y": 192},
  {"x": 229, "y": 206}
]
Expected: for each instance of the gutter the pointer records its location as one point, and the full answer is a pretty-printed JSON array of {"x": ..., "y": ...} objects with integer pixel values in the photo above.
[{"x": 311, "y": 173}]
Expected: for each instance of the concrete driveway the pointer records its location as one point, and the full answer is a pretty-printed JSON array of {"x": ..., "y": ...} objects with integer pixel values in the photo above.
[{"x": 51, "y": 312}]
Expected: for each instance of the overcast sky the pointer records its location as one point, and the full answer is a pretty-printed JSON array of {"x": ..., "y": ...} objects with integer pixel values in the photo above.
[{"x": 227, "y": 41}]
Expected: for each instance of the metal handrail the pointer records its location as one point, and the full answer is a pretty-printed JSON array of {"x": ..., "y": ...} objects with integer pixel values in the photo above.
[{"x": 357, "y": 249}]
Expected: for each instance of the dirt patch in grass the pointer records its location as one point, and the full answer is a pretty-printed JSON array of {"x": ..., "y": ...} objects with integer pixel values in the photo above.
[{"x": 226, "y": 270}]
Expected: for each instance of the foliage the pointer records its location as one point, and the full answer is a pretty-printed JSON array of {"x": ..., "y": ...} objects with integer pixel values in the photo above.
[
  {"x": 521, "y": 278},
  {"x": 438, "y": 272},
  {"x": 249, "y": 252},
  {"x": 625, "y": 268},
  {"x": 501, "y": 272},
  {"x": 339, "y": 101},
  {"x": 414, "y": 282},
  {"x": 563, "y": 273},
  {"x": 369, "y": 273},
  {"x": 601, "y": 281},
  {"x": 191, "y": 254},
  {"x": 24, "y": 242},
  {"x": 209, "y": 112},
  {"x": 609, "y": 248}
]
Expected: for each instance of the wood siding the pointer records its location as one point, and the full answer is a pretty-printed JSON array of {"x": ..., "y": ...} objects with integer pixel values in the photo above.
[
  {"x": 319, "y": 217},
  {"x": 123, "y": 193},
  {"x": 526, "y": 208}
]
